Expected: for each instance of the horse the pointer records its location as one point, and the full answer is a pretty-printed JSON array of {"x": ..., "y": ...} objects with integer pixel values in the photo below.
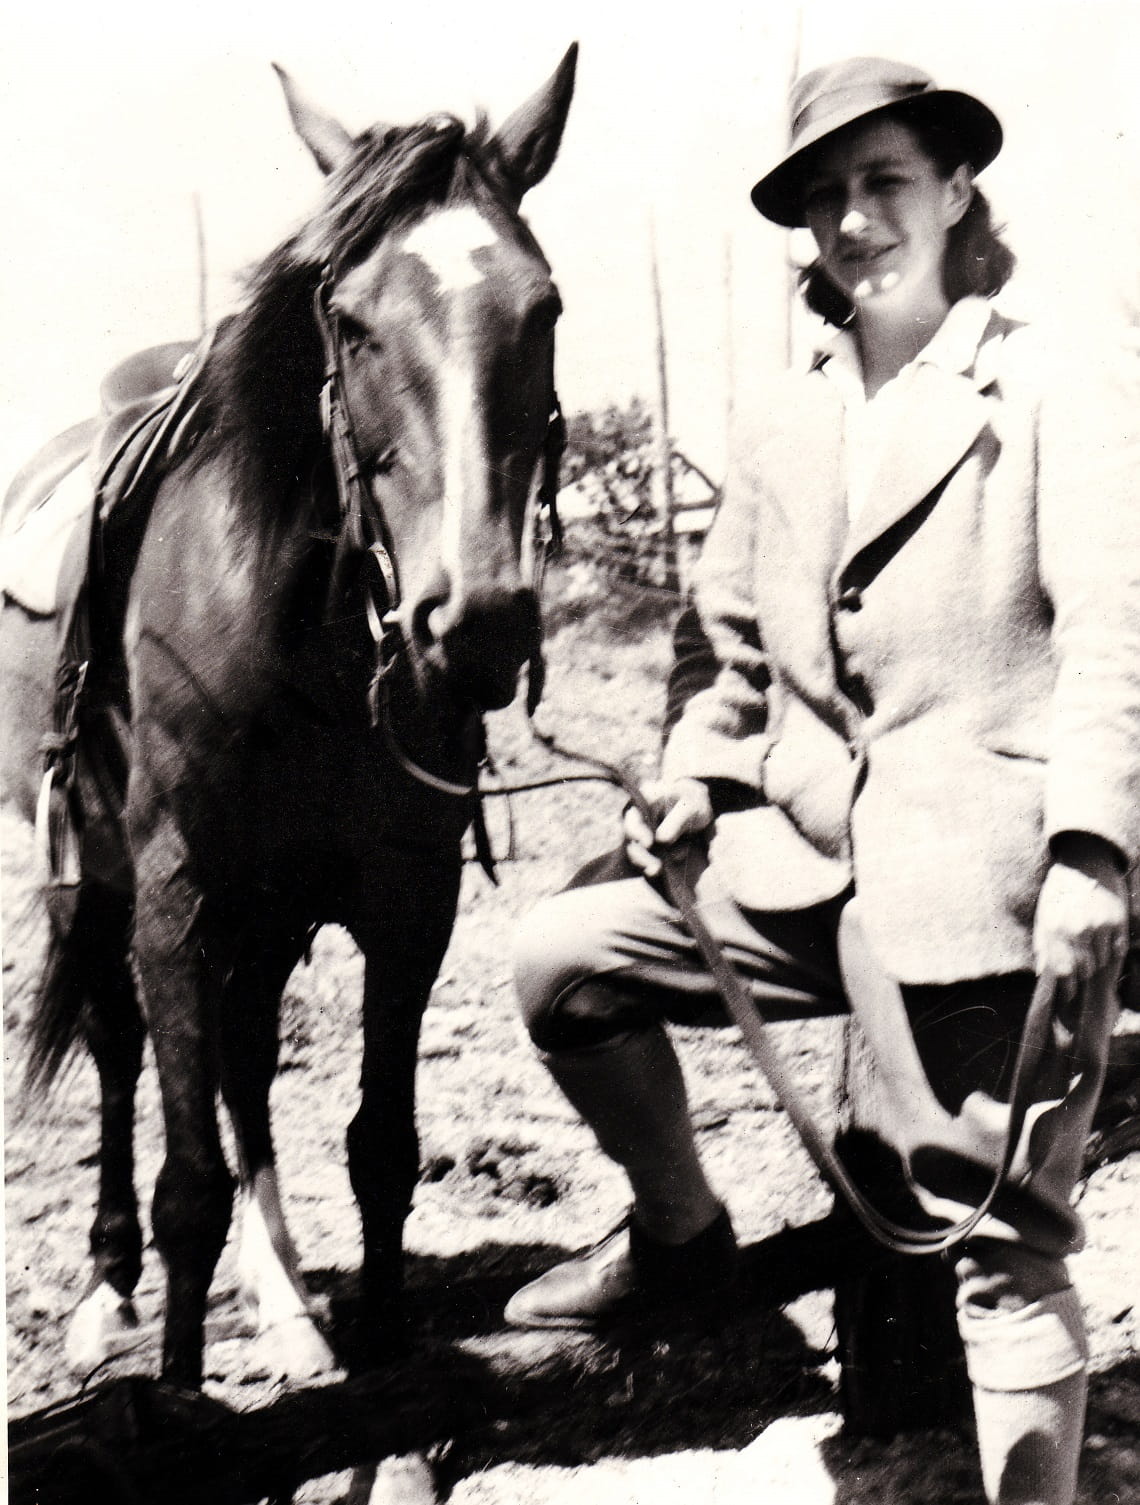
[{"x": 327, "y": 593}]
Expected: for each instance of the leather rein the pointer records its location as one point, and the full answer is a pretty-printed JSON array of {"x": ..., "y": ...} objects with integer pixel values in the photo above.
[
  {"x": 757, "y": 1035},
  {"x": 364, "y": 532}
]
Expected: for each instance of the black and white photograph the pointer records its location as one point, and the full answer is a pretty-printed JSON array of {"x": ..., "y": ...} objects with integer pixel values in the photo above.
[{"x": 570, "y": 753}]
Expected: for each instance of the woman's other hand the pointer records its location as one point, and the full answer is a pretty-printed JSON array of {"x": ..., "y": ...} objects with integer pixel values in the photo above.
[
  {"x": 681, "y": 808},
  {"x": 1081, "y": 927}
]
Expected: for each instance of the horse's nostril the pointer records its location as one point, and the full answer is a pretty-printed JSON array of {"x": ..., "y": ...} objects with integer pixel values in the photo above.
[
  {"x": 489, "y": 626},
  {"x": 429, "y": 619}
]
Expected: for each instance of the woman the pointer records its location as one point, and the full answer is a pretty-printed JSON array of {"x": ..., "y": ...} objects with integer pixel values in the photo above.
[{"x": 922, "y": 596}]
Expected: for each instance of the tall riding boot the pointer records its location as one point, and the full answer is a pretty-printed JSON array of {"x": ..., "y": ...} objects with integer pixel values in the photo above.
[{"x": 677, "y": 1243}]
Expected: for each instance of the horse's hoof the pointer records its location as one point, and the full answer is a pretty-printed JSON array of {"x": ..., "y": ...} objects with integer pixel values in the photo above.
[
  {"x": 104, "y": 1324},
  {"x": 293, "y": 1349},
  {"x": 396, "y": 1481}
]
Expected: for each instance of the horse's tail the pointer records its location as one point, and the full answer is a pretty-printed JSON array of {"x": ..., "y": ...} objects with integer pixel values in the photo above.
[{"x": 86, "y": 967}]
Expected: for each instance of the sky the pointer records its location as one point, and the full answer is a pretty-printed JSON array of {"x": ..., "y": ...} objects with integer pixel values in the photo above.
[{"x": 117, "y": 118}]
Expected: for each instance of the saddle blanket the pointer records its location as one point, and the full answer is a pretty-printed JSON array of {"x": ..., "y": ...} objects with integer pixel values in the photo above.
[{"x": 31, "y": 556}]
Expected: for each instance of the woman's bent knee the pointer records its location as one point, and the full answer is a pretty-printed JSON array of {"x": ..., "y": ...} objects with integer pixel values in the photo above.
[
  {"x": 583, "y": 960},
  {"x": 552, "y": 959},
  {"x": 563, "y": 1003},
  {"x": 564, "y": 1006},
  {"x": 570, "y": 992}
]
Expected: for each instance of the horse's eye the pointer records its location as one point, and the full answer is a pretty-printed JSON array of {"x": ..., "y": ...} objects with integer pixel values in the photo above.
[
  {"x": 544, "y": 315},
  {"x": 355, "y": 334}
]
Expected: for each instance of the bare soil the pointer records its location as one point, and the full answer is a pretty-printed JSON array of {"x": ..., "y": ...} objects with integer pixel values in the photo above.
[{"x": 739, "y": 1406}]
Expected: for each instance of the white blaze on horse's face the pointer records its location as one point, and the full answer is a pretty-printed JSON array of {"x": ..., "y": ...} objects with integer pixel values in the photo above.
[
  {"x": 477, "y": 285},
  {"x": 446, "y": 243},
  {"x": 448, "y": 344}
]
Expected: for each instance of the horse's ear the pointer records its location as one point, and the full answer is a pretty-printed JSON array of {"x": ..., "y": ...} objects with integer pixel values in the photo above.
[
  {"x": 527, "y": 143},
  {"x": 325, "y": 137}
]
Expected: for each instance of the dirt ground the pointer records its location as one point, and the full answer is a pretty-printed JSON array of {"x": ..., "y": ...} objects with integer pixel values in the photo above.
[{"x": 743, "y": 1407}]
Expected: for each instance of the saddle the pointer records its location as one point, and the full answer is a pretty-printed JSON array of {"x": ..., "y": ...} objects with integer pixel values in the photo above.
[
  {"x": 150, "y": 405},
  {"x": 35, "y": 482},
  {"x": 53, "y": 492}
]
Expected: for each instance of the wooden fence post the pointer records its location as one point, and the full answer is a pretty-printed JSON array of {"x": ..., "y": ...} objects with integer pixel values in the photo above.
[{"x": 663, "y": 502}]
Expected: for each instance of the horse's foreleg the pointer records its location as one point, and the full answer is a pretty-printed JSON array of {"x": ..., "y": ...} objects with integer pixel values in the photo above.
[
  {"x": 383, "y": 1154},
  {"x": 180, "y": 965},
  {"x": 291, "y": 1344},
  {"x": 383, "y": 1146},
  {"x": 269, "y": 1270},
  {"x": 105, "y": 1322}
]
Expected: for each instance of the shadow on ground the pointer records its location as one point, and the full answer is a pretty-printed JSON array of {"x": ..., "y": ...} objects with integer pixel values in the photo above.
[
  {"x": 713, "y": 1381},
  {"x": 711, "y": 1378}
]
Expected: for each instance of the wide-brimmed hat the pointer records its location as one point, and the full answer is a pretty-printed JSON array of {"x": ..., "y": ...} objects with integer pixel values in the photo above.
[{"x": 829, "y": 98}]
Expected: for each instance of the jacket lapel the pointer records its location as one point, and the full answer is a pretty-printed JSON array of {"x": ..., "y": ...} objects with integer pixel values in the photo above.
[
  {"x": 936, "y": 425},
  {"x": 802, "y": 469}
]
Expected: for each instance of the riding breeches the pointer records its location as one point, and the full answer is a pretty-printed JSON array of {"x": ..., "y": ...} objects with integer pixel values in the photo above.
[
  {"x": 610, "y": 956},
  {"x": 612, "y": 927}
]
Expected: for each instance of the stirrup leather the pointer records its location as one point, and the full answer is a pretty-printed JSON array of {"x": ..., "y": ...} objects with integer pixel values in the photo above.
[{"x": 57, "y": 831}]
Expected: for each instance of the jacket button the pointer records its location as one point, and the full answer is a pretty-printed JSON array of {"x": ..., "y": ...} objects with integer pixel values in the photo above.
[{"x": 850, "y": 599}]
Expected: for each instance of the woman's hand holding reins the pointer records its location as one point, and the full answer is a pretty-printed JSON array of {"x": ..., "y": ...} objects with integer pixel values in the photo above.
[
  {"x": 681, "y": 809},
  {"x": 1081, "y": 928}
]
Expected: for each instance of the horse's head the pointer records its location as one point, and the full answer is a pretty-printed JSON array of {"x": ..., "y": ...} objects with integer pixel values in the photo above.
[{"x": 441, "y": 313}]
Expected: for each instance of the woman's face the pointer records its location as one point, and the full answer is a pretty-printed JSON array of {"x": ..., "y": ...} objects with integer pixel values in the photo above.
[{"x": 880, "y": 211}]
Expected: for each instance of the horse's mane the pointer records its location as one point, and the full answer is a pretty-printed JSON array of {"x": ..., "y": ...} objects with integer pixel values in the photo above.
[{"x": 259, "y": 386}]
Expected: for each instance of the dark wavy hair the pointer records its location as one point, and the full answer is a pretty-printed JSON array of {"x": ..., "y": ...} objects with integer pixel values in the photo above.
[{"x": 977, "y": 260}]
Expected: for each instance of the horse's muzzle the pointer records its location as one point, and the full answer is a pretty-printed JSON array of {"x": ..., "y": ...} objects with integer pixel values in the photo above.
[{"x": 480, "y": 641}]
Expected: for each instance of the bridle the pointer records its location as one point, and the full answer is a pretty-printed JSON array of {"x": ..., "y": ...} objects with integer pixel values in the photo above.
[
  {"x": 362, "y": 528},
  {"x": 363, "y": 534}
]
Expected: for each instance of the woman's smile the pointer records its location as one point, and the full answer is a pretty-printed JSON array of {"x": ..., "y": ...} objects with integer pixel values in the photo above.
[
  {"x": 867, "y": 256},
  {"x": 880, "y": 212}
]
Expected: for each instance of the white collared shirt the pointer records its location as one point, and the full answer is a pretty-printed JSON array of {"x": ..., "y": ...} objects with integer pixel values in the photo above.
[{"x": 867, "y": 420}]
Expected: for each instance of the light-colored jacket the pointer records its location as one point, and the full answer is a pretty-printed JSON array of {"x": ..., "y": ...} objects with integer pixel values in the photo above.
[{"x": 925, "y": 698}]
